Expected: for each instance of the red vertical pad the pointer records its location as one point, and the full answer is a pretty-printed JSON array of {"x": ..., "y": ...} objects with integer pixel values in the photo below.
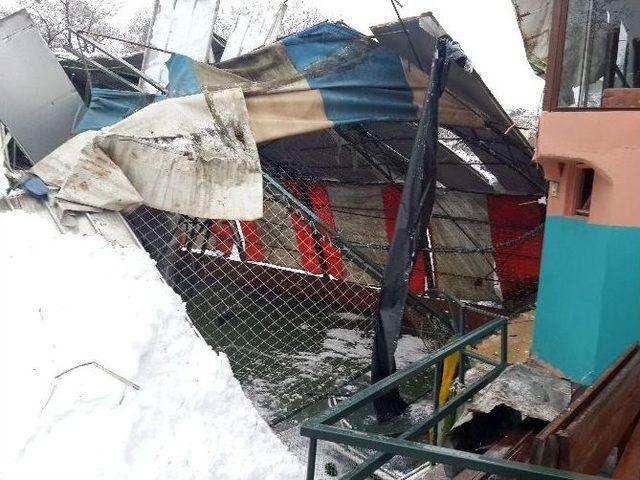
[
  {"x": 391, "y": 196},
  {"x": 253, "y": 248},
  {"x": 222, "y": 236},
  {"x": 517, "y": 264},
  {"x": 320, "y": 204},
  {"x": 304, "y": 234}
]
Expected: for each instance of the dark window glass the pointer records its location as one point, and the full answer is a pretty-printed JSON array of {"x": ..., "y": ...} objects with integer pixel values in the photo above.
[
  {"x": 584, "y": 195},
  {"x": 601, "y": 50}
]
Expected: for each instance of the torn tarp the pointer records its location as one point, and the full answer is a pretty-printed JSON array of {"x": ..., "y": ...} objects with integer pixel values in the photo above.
[
  {"x": 534, "y": 20},
  {"x": 110, "y": 106},
  {"x": 192, "y": 155}
]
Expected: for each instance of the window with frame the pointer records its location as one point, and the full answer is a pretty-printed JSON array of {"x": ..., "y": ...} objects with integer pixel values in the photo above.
[
  {"x": 601, "y": 51},
  {"x": 585, "y": 190}
]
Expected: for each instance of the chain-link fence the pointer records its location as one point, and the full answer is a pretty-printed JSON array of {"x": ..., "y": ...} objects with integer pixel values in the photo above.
[{"x": 291, "y": 297}]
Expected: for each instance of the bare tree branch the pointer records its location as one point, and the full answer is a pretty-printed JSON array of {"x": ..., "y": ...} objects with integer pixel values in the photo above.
[
  {"x": 54, "y": 18},
  {"x": 300, "y": 14}
]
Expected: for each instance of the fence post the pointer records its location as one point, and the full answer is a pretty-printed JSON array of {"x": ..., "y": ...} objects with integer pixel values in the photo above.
[{"x": 311, "y": 463}]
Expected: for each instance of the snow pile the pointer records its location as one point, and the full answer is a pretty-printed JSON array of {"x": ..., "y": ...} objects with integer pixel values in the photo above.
[
  {"x": 103, "y": 378},
  {"x": 4, "y": 183}
]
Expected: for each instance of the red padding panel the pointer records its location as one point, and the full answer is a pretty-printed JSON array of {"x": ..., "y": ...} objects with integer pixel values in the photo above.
[
  {"x": 304, "y": 235},
  {"x": 517, "y": 265},
  {"x": 320, "y": 204},
  {"x": 253, "y": 248},
  {"x": 223, "y": 236},
  {"x": 391, "y": 196}
]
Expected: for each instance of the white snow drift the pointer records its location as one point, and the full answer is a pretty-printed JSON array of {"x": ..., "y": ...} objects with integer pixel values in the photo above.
[{"x": 102, "y": 376}]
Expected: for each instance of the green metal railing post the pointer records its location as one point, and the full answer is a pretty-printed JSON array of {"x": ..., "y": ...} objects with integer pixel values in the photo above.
[
  {"x": 311, "y": 462},
  {"x": 504, "y": 347},
  {"x": 437, "y": 384},
  {"x": 323, "y": 428}
]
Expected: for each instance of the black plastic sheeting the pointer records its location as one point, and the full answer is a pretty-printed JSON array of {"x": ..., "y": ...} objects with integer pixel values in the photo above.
[{"x": 416, "y": 206}]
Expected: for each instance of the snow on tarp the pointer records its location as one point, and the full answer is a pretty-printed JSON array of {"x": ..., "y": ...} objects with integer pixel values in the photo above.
[
  {"x": 192, "y": 155},
  {"x": 104, "y": 377},
  {"x": 323, "y": 76}
]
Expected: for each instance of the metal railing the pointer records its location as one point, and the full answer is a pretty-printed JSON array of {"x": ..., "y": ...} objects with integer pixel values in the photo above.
[{"x": 408, "y": 443}]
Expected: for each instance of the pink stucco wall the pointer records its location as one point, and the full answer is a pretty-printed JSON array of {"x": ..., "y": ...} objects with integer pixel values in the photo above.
[{"x": 608, "y": 142}]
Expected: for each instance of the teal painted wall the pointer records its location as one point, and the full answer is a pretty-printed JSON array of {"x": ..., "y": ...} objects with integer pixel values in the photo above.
[{"x": 588, "y": 309}]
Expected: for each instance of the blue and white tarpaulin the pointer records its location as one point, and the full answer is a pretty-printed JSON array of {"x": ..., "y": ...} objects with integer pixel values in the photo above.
[{"x": 326, "y": 76}]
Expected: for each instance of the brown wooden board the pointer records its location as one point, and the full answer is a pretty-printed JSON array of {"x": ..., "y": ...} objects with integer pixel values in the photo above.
[
  {"x": 621, "y": 98},
  {"x": 546, "y": 448},
  {"x": 588, "y": 440},
  {"x": 628, "y": 467},
  {"x": 515, "y": 445}
]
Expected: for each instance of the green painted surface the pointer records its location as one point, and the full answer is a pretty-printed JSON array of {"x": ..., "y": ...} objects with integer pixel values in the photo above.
[{"x": 588, "y": 308}]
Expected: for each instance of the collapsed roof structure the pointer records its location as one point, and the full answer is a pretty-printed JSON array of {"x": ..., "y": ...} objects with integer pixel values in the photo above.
[{"x": 267, "y": 187}]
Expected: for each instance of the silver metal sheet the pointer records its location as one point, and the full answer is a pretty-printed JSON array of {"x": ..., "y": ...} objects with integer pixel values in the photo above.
[
  {"x": 180, "y": 26},
  {"x": 524, "y": 387},
  {"x": 38, "y": 103},
  {"x": 110, "y": 225}
]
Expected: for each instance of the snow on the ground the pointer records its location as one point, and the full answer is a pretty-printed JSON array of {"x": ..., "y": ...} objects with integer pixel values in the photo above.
[{"x": 148, "y": 398}]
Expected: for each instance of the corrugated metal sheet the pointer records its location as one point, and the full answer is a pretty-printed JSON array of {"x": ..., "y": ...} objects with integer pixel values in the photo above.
[
  {"x": 253, "y": 31},
  {"x": 38, "y": 103},
  {"x": 181, "y": 26}
]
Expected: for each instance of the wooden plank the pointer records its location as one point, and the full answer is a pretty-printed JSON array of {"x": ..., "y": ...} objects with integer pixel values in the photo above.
[
  {"x": 586, "y": 443},
  {"x": 628, "y": 467},
  {"x": 621, "y": 98},
  {"x": 545, "y": 444},
  {"x": 516, "y": 445}
]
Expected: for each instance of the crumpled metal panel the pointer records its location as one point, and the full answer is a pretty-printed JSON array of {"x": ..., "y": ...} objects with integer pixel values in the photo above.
[
  {"x": 526, "y": 388},
  {"x": 181, "y": 26},
  {"x": 38, "y": 103},
  {"x": 110, "y": 225}
]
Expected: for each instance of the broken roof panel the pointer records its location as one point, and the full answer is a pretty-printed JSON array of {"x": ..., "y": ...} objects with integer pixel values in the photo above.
[
  {"x": 332, "y": 76},
  {"x": 182, "y": 26},
  {"x": 497, "y": 142},
  {"x": 38, "y": 102}
]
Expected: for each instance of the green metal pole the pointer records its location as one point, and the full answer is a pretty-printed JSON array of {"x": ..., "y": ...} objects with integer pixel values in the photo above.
[
  {"x": 374, "y": 462},
  {"x": 311, "y": 462},
  {"x": 433, "y": 453}
]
